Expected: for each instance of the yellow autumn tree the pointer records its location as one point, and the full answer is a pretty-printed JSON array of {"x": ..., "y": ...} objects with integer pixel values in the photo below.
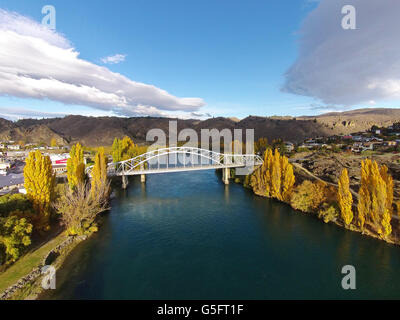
[
  {"x": 53, "y": 142},
  {"x": 345, "y": 199},
  {"x": 99, "y": 172},
  {"x": 310, "y": 196},
  {"x": 125, "y": 149},
  {"x": 375, "y": 198},
  {"x": 75, "y": 167},
  {"x": 39, "y": 185},
  {"x": 275, "y": 178},
  {"x": 288, "y": 179}
]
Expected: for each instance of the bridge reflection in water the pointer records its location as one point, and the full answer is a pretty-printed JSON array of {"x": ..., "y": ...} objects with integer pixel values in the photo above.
[{"x": 177, "y": 159}]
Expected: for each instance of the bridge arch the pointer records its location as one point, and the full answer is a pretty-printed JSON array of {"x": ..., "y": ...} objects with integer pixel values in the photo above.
[{"x": 140, "y": 165}]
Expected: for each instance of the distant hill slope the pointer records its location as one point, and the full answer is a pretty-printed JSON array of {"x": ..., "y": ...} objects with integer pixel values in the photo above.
[
  {"x": 357, "y": 120},
  {"x": 95, "y": 131}
]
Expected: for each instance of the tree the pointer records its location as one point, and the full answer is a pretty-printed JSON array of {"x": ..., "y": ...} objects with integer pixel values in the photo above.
[
  {"x": 328, "y": 213},
  {"x": 79, "y": 207},
  {"x": 288, "y": 179},
  {"x": 39, "y": 185},
  {"x": 14, "y": 236},
  {"x": 53, "y": 142},
  {"x": 345, "y": 199},
  {"x": 99, "y": 172},
  {"x": 309, "y": 196},
  {"x": 375, "y": 205},
  {"x": 116, "y": 150},
  {"x": 125, "y": 149},
  {"x": 260, "y": 145},
  {"x": 75, "y": 167},
  {"x": 275, "y": 178}
]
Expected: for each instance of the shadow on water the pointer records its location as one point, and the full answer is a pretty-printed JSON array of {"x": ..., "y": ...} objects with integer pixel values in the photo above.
[{"x": 188, "y": 236}]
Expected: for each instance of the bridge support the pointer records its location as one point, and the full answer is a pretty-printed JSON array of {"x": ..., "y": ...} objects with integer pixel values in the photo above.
[
  {"x": 124, "y": 182},
  {"x": 142, "y": 176},
  {"x": 226, "y": 175}
]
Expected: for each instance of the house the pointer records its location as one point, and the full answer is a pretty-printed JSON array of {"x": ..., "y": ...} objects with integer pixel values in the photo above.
[
  {"x": 289, "y": 146},
  {"x": 390, "y": 143},
  {"x": 357, "y": 138},
  {"x": 14, "y": 147},
  {"x": 4, "y": 167},
  {"x": 2, "y": 146},
  {"x": 59, "y": 162}
]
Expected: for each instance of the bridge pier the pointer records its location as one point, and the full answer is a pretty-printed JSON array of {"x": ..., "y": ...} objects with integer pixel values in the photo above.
[
  {"x": 124, "y": 182},
  {"x": 143, "y": 178},
  {"x": 226, "y": 175}
]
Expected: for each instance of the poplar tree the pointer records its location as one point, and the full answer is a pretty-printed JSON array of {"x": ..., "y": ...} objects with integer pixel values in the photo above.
[
  {"x": 99, "y": 172},
  {"x": 345, "y": 198},
  {"x": 275, "y": 178},
  {"x": 375, "y": 197},
  {"x": 116, "y": 150},
  {"x": 39, "y": 185},
  {"x": 124, "y": 149},
  {"x": 75, "y": 167},
  {"x": 288, "y": 179}
]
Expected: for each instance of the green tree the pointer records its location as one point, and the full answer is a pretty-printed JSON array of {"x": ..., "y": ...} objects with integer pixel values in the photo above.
[{"x": 15, "y": 236}]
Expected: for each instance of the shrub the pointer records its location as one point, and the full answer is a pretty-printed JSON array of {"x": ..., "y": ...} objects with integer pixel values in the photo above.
[{"x": 309, "y": 196}]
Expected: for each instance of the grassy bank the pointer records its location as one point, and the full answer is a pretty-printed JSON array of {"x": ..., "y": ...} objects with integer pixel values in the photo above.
[{"x": 28, "y": 262}]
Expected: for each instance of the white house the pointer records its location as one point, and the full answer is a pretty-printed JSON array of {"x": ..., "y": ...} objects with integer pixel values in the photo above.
[
  {"x": 4, "y": 167},
  {"x": 14, "y": 147}
]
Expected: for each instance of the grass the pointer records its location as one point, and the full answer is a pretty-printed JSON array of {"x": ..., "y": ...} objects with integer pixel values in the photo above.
[{"x": 27, "y": 263}]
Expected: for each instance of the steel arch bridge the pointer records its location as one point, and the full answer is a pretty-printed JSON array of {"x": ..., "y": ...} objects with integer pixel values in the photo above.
[{"x": 158, "y": 161}]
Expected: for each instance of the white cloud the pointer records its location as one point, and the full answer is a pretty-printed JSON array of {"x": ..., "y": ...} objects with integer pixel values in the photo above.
[
  {"x": 348, "y": 67},
  {"x": 116, "y": 58},
  {"x": 38, "y": 63},
  {"x": 20, "y": 113}
]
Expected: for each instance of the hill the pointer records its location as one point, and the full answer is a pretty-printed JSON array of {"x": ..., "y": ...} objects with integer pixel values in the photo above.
[{"x": 95, "y": 131}]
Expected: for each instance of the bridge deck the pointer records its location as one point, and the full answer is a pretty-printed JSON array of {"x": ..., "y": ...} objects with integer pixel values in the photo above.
[{"x": 175, "y": 169}]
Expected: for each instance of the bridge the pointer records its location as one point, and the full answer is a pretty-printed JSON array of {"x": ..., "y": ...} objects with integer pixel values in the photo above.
[{"x": 178, "y": 159}]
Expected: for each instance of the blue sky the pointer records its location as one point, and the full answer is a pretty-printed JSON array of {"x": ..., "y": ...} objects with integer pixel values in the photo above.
[{"x": 232, "y": 55}]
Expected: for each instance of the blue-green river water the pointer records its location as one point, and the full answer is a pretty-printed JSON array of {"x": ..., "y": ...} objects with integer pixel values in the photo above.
[{"x": 188, "y": 236}]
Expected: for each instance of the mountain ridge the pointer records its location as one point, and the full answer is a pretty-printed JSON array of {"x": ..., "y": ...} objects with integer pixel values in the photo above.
[{"x": 96, "y": 131}]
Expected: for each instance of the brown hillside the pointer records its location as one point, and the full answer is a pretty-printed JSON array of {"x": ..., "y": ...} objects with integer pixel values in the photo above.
[{"x": 95, "y": 131}]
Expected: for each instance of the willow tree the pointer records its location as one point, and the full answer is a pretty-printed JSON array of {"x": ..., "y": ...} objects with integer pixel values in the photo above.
[
  {"x": 75, "y": 167},
  {"x": 39, "y": 185},
  {"x": 99, "y": 172},
  {"x": 345, "y": 199}
]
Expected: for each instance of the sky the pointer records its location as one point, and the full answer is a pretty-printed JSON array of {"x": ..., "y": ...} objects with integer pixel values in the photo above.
[{"x": 197, "y": 59}]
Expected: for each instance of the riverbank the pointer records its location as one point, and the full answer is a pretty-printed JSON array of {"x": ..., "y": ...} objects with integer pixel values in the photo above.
[
  {"x": 22, "y": 281},
  {"x": 303, "y": 174}
]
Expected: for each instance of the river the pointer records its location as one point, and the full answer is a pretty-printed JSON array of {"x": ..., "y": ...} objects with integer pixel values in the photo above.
[{"x": 188, "y": 236}]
